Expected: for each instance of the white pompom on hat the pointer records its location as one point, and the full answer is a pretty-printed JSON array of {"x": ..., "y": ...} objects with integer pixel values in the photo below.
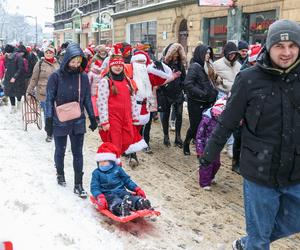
[{"x": 108, "y": 152}]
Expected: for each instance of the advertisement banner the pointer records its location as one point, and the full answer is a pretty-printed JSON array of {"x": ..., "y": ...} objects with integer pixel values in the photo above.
[{"x": 224, "y": 3}]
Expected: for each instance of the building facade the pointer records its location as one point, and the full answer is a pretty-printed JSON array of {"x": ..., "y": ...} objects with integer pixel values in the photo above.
[
  {"x": 83, "y": 21},
  {"x": 161, "y": 22}
]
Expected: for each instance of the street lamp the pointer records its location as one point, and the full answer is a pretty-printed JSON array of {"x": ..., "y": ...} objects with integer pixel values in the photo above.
[
  {"x": 36, "y": 29},
  {"x": 99, "y": 23}
]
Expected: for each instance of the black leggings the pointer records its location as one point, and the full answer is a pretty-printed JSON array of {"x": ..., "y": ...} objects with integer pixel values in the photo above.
[
  {"x": 195, "y": 110},
  {"x": 178, "y": 114},
  {"x": 13, "y": 100}
]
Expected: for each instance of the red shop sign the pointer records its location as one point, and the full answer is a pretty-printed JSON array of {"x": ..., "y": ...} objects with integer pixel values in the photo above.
[
  {"x": 218, "y": 29},
  {"x": 261, "y": 26}
]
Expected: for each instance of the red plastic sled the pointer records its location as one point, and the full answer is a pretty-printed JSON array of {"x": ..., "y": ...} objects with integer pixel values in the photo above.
[{"x": 134, "y": 214}]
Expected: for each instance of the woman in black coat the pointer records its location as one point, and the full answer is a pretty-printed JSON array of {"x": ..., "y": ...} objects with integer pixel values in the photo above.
[
  {"x": 200, "y": 90},
  {"x": 14, "y": 80},
  {"x": 62, "y": 88}
]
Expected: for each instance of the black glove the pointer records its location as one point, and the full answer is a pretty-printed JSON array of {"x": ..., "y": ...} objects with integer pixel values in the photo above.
[
  {"x": 94, "y": 124},
  {"x": 203, "y": 162},
  {"x": 49, "y": 126}
]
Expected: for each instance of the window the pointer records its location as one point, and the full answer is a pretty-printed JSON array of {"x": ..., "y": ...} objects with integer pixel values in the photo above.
[
  {"x": 217, "y": 34},
  {"x": 258, "y": 25},
  {"x": 143, "y": 32}
]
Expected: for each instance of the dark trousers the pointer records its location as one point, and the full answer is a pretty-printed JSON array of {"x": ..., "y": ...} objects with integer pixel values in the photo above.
[
  {"x": 237, "y": 146},
  {"x": 13, "y": 100},
  {"x": 178, "y": 114},
  {"x": 114, "y": 200},
  {"x": 76, "y": 148},
  {"x": 145, "y": 131},
  {"x": 195, "y": 110}
]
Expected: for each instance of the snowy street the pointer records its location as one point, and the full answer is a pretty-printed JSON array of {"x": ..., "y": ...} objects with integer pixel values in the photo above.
[{"x": 37, "y": 214}]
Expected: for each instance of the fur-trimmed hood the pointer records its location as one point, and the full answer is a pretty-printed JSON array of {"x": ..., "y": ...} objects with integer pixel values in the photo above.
[{"x": 171, "y": 49}]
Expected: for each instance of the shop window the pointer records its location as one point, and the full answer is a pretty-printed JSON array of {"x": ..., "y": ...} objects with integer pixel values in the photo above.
[
  {"x": 258, "y": 25},
  {"x": 143, "y": 32},
  {"x": 217, "y": 34}
]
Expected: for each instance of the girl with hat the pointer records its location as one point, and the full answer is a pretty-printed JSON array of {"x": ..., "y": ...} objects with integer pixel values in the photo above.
[{"x": 118, "y": 111}]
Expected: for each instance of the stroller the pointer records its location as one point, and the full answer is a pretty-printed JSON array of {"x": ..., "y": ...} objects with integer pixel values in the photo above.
[
  {"x": 3, "y": 98},
  {"x": 31, "y": 112}
]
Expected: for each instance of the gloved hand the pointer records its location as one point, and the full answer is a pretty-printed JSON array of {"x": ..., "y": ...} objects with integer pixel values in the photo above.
[
  {"x": 140, "y": 192},
  {"x": 49, "y": 126},
  {"x": 94, "y": 124},
  {"x": 101, "y": 201},
  {"x": 203, "y": 162}
]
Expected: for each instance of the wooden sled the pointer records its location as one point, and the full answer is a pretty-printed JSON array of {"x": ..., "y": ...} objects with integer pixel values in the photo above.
[
  {"x": 31, "y": 112},
  {"x": 134, "y": 214}
]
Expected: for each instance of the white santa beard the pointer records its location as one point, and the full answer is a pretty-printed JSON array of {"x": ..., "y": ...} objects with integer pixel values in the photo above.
[{"x": 141, "y": 77}]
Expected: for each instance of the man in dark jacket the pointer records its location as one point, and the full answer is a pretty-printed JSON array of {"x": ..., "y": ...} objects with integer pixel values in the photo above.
[
  {"x": 68, "y": 84},
  {"x": 267, "y": 98}
]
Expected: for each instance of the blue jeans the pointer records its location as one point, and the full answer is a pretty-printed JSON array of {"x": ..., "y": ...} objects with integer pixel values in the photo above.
[
  {"x": 271, "y": 214},
  {"x": 76, "y": 148}
]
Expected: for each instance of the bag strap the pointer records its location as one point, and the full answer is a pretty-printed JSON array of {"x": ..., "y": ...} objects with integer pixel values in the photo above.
[{"x": 79, "y": 87}]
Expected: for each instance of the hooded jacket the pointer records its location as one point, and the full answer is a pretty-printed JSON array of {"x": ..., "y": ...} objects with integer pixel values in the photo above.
[
  {"x": 266, "y": 99},
  {"x": 196, "y": 84},
  {"x": 62, "y": 87},
  {"x": 227, "y": 70}
]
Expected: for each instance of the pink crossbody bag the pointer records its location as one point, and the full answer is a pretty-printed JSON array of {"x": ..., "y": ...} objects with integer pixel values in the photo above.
[{"x": 69, "y": 111}]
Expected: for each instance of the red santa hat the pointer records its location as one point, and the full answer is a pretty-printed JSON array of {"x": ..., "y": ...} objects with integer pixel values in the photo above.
[
  {"x": 116, "y": 60},
  {"x": 254, "y": 52},
  {"x": 141, "y": 56},
  {"x": 108, "y": 152}
]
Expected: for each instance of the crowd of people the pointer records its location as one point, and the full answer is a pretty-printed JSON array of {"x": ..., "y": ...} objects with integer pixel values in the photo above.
[{"x": 248, "y": 99}]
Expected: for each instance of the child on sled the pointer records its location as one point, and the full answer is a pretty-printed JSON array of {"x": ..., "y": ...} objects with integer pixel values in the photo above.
[{"x": 112, "y": 187}]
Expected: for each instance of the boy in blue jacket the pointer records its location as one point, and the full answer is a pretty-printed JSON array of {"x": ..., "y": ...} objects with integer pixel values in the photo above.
[{"x": 112, "y": 187}]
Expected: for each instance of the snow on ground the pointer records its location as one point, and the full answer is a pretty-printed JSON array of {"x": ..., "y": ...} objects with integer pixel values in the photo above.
[{"x": 36, "y": 213}]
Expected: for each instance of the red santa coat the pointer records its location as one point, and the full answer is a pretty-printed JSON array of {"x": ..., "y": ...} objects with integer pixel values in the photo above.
[{"x": 120, "y": 111}]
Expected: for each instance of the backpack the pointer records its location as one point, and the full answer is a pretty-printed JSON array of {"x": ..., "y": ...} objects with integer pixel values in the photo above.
[{"x": 25, "y": 62}]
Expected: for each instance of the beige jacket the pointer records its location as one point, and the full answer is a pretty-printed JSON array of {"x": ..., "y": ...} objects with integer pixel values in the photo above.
[
  {"x": 227, "y": 72},
  {"x": 39, "y": 78}
]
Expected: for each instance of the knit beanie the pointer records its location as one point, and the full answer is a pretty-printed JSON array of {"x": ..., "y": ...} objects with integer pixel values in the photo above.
[
  {"x": 283, "y": 30},
  {"x": 243, "y": 45}
]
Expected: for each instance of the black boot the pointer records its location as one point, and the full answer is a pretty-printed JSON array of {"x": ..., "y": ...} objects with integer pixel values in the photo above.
[
  {"x": 167, "y": 141},
  {"x": 186, "y": 147},
  {"x": 61, "y": 180},
  {"x": 123, "y": 209},
  {"x": 78, "y": 189},
  {"x": 178, "y": 141},
  {"x": 133, "y": 160},
  {"x": 142, "y": 204},
  {"x": 236, "y": 166}
]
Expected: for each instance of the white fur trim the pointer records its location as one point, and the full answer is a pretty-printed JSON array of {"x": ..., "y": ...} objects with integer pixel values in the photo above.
[
  {"x": 252, "y": 58},
  {"x": 138, "y": 57},
  {"x": 106, "y": 157},
  {"x": 144, "y": 119},
  {"x": 136, "y": 147},
  {"x": 165, "y": 75}
]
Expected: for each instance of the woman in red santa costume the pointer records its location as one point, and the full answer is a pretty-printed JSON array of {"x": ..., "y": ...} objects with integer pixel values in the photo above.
[{"x": 118, "y": 112}]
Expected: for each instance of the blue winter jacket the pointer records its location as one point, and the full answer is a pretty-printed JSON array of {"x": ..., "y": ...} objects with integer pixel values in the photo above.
[
  {"x": 112, "y": 181},
  {"x": 62, "y": 87}
]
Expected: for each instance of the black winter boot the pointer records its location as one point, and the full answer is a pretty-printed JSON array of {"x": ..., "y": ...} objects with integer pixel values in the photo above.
[
  {"x": 186, "y": 148},
  {"x": 167, "y": 141},
  {"x": 61, "y": 180},
  {"x": 178, "y": 141},
  {"x": 78, "y": 189},
  {"x": 123, "y": 209},
  {"x": 142, "y": 204},
  {"x": 133, "y": 160}
]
